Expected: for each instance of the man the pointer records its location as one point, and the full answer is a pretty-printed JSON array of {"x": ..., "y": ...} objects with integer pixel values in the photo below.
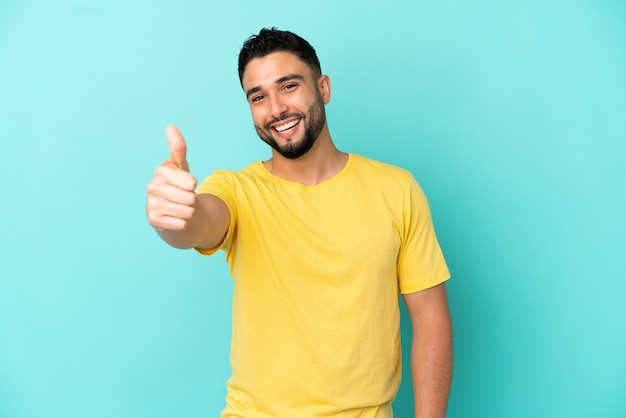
[{"x": 319, "y": 243}]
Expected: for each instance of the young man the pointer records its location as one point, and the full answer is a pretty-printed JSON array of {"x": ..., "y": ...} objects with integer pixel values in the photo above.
[{"x": 319, "y": 242}]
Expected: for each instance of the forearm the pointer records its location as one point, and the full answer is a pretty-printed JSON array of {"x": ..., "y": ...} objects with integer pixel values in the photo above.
[
  {"x": 431, "y": 367},
  {"x": 195, "y": 232}
]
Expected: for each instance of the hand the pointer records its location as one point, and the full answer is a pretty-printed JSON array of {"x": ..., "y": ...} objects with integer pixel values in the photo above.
[{"x": 171, "y": 195}]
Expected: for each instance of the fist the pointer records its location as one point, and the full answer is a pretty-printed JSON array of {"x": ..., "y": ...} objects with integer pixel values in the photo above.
[{"x": 171, "y": 192}]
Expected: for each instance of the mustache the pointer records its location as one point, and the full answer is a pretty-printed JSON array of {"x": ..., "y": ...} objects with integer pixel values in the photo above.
[{"x": 283, "y": 117}]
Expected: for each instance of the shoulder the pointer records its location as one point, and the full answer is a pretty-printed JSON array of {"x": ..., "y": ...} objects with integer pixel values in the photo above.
[
  {"x": 379, "y": 171},
  {"x": 251, "y": 171},
  {"x": 389, "y": 180},
  {"x": 232, "y": 180}
]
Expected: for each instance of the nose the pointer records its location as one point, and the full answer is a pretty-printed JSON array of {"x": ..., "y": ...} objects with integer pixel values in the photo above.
[{"x": 277, "y": 107}]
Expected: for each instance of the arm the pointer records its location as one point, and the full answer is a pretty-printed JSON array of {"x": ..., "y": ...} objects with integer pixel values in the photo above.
[
  {"x": 431, "y": 350},
  {"x": 182, "y": 218}
]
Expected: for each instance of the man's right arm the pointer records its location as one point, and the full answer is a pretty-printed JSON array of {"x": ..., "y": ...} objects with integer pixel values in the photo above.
[{"x": 182, "y": 218}]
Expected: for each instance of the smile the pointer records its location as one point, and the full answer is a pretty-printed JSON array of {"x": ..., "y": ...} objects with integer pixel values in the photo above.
[{"x": 285, "y": 126}]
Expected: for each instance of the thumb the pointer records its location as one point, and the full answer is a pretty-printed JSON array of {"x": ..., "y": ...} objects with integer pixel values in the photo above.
[{"x": 178, "y": 147}]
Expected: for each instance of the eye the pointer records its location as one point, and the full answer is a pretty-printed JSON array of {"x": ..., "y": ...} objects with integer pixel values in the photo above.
[
  {"x": 289, "y": 87},
  {"x": 256, "y": 98}
]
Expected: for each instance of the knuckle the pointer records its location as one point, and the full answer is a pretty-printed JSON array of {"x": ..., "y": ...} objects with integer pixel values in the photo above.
[
  {"x": 153, "y": 219},
  {"x": 158, "y": 171},
  {"x": 162, "y": 171}
]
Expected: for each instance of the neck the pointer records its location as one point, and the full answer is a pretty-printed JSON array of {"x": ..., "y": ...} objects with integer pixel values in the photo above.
[{"x": 322, "y": 162}]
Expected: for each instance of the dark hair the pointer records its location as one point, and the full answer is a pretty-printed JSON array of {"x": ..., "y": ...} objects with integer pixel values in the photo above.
[{"x": 274, "y": 40}]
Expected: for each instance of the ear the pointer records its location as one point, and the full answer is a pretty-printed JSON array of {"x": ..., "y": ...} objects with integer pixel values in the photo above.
[{"x": 323, "y": 86}]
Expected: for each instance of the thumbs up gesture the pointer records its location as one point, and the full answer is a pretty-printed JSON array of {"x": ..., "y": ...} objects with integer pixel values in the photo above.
[
  {"x": 171, "y": 196},
  {"x": 178, "y": 147}
]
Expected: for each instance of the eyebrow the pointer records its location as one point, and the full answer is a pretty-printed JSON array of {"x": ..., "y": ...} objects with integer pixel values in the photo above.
[{"x": 279, "y": 81}]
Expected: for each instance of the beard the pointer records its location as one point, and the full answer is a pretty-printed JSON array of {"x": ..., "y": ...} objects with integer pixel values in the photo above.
[{"x": 313, "y": 121}]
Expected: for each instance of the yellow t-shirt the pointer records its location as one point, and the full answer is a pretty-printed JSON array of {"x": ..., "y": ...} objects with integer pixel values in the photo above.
[{"x": 316, "y": 271}]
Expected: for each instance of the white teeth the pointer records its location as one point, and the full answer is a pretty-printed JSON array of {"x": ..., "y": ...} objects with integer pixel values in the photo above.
[{"x": 281, "y": 128}]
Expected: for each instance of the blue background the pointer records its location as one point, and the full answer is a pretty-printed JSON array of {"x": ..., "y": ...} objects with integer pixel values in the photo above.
[{"x": 511, "y": 115}]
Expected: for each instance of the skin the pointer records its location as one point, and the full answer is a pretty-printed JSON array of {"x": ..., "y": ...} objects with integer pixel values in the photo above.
[
  {"x": 285, "y": 125},
  {"x": 182, "y": 218},
  {"x": 280, "y": 86},
  {"x": 431, "y": 351},
  {"x": 281, "y": 89}
]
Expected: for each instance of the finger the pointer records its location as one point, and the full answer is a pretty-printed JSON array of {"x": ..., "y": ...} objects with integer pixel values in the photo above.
[
  {"x": 178, "y": 147},
  {"x": 169, "y": 223},
  {"x": 174, "y": 210},
  {"x": 176, "y": 195},
  {"x": 167, "y": 215},
  {"x": 170, "y": 174}
]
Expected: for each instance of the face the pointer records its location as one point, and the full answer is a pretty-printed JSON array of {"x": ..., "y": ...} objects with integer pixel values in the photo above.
[{"x": 287, "y": 102}]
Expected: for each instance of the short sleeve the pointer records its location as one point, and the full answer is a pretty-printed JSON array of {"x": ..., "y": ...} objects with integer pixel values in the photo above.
[
  {"x": 219, "y": 184},
  {"x": 421, "y": 263}
]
